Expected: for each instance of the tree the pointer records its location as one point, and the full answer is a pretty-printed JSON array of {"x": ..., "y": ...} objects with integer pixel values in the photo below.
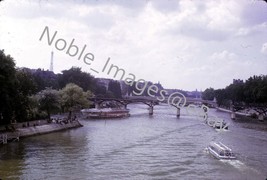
[
  {"x": 208, "y": 94},
  {"x": 221, "y": 97},
  {"x": 100, "y": 90},
  {"x": 115, "y": 88},
  {"x": 73, "y": 98},
  {"x": 16, "y": 85},
  {"x": 35, "y": 111},
  {"x": 44, "y": 79},
  {"x": 130, "y": 88},
  {"x": 235, "y": 92},
  {"x": 25, "y": 82},
  {"x": 255, "y": 90},
  {"x": 49, "y": 100},
  {"x": 7, "y": 87},
  {"x": 25, "y": 86},
  {"x": 76, "y": 76}
]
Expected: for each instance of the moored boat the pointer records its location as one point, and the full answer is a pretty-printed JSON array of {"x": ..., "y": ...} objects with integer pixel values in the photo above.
[
  {"x": 220, "y": 151},
  {"x": 105, "y": 113}
]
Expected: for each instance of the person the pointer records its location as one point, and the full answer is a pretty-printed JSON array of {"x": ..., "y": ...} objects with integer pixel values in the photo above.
[{"x": 13, "y": 128}]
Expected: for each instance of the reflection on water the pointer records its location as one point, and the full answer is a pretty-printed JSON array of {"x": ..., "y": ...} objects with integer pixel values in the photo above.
[{"x": 138, "y": 147}]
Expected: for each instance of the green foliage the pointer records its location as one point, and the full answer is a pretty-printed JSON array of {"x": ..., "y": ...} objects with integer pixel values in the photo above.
[
  {"x": 115, "y": 88},
  {"x": 208, "y": 94},
  {"x": 7, "y": 87},
  {"x": 223, "y": 98},
  {"x": 130, "y": 88},
  {"x": 15, "y": 87},
  {"x": 235, "y": 92},
  {"x": 44, "y": 79},
  {"x": 25, "y": 82},
  {"x": 35, "y": 111},
  {"x": 76, "y": 76},
  {"x": 253, "y": 91},
  {"x": 74, "y": 98},
  {"x": 100, "y": 91},
  {"x": 48, "y": 100},
  {"x": 109, "y": 94},
  {"x": 18, "y": 88},
  {"x": 24, "y": 87}
]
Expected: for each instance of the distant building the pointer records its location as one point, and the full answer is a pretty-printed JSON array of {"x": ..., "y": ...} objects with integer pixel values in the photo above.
[
  {"x": 124, "y": 88},
  {"x": 171, "y": 91},
  {"x": 194, "y": 94},
  {"x": 103, "y": 82},
  {"x": 237, "y": 81},
  {"x": 159, "y": 86}
]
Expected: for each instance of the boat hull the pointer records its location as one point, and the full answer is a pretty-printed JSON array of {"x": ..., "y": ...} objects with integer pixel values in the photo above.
[
  {"x": 105, "y": 113},
  {"x": 216, "y": 155},
  {"x": 220, "y": 151}
]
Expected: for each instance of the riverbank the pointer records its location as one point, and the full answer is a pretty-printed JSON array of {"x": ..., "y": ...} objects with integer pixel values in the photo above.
[
  {"x": 239, "y": 115},
  {"x": 229, "y": 111},
  {"x": 247, "y": 121},
  {"x": 244, "y": 115},
  {"x": 37, "y": 130}
]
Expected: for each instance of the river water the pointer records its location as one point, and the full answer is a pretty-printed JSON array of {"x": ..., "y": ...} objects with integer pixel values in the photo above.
[{"x": 138, "y": 147}]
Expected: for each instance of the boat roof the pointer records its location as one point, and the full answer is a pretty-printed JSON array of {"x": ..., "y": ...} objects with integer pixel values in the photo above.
[
  {"x": 220, "y": 146},
  {"x": 104, "y": 110}
]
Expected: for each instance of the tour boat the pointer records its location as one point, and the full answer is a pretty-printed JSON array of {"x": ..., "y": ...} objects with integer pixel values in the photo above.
[
  {"x": 220, "y": 151},
  {"x": 105, "y": 113}
]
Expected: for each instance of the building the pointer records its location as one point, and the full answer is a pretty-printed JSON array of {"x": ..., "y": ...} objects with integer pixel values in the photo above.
[{"x": 103, "y": 82}]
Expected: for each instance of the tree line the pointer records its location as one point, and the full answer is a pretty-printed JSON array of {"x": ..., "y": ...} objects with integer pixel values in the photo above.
[
  {"x": 252, "y": 92},
  {"x": 32, "y": 94},
  {"x": 27, "y": 94}
]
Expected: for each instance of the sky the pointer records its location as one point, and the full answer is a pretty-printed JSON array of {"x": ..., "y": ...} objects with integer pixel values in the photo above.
[{"x": 183, "y": 44}]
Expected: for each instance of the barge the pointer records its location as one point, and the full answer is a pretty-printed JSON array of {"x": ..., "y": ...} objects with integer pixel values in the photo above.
[{"x": 104, "y": 113}]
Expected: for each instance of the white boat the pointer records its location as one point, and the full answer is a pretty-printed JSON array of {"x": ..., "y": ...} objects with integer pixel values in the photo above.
[
  {"x": 105, "y": 113},
  {"x": 220, "y": 151}
]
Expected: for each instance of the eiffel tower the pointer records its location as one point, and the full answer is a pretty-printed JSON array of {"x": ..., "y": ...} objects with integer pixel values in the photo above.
[{"x": 52, "y": 62}]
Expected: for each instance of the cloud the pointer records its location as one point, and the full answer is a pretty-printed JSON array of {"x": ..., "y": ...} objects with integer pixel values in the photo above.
[
  {"x": 97, "y": 19},
  {"x": 175, "y": 42},
  {"x": 209, "y": 21},
  {"x": 254, "y": 12},
  {"x": 26, "y": 9},
  {"x": 224, "y": 55},
  {"x": 162, "y": 6}
]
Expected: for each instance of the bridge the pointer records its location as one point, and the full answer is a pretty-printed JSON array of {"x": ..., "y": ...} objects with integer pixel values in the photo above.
[
  {"x": 150, "y": 102},
  {"x": 190, "y": 100}
]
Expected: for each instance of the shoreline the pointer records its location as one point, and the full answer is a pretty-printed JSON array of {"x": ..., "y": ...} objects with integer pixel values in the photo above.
[
  {"x": 245, "y": 118},
  {"x": 23, "y": 132},
  {"x": 229, "y": 111}
]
